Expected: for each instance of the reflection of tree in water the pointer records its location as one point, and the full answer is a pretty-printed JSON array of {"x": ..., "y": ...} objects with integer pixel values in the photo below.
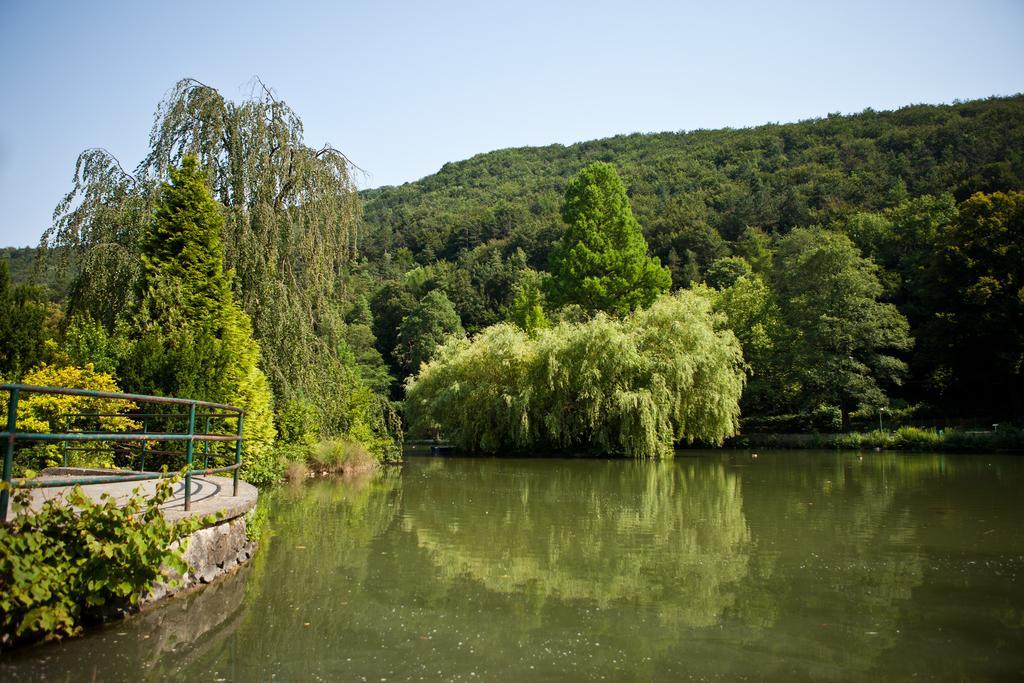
[
  {"x": 334, "y": 520},
  {"x": 313, "y": 555},
  {"x": 793, "y": 566},
  {"x": 837, "y": 558},
  {"x": 668, "y": 535},
  {"x": 308, "y": 572}
]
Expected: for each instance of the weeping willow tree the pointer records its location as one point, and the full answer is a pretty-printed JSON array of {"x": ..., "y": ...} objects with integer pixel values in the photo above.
[
  {"x": 581, "y": 554},
  {"x": 635, "y": 386},
  {"x": 290, "y": 229}
]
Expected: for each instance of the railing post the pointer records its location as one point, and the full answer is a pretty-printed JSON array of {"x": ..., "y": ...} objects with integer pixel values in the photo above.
[
  {"x": 238, "y": 451},
  {"x": 64, "y": 444},
  {"x": 145, "y": 444},
  {"x": 206, "y": 446},
  {"x": 188, "y": 455},
  {"x": 12, "y": 426}
]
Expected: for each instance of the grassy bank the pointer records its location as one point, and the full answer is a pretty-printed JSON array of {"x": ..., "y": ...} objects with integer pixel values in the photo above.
[
  {"x": 902, "y": 439},
  {"x": 329, "y": 457}
]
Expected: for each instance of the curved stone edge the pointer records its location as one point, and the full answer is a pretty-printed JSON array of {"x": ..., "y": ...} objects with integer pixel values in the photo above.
[
  {"x": 211, "y": 495},
  {"x": 220, "y": 501},
  {"x": 211, "y": 552}
]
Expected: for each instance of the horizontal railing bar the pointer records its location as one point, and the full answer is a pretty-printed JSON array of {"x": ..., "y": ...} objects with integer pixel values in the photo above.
[
  {"x": 99, "y": 449},
  {"x": 140, "y": 398},
  {"x": 74, "y": 481},
  {"x": 150, "y": 452},
  {"x": 116, "y": 436},
  {"x": 135, "y": 441},
  {"x": 215, "y": 470},
  {"x": 100, "y": 436},
  {"x": 108, "y": 478},
  {"x": 138, "y": 451},
  {"x": 139, "y": 416}
]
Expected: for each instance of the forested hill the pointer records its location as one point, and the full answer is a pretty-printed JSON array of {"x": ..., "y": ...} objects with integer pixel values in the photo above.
[
  {"x": 871, "y": 261},
  {"x": 694, "y": 192}
]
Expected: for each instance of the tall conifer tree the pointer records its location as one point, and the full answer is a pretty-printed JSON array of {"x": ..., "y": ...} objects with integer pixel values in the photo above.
[
  {"x": 601, "y": 262},
  {"x": 192, "y": 338}
]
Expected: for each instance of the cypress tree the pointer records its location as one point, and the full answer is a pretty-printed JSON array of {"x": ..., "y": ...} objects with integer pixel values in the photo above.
[
  {"x": 601, "y": 263},
  {"x": 182, "y": 252}
]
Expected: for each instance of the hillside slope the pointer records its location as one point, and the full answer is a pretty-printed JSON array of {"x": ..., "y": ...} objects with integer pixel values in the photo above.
[{"x": 693, "y": 191}]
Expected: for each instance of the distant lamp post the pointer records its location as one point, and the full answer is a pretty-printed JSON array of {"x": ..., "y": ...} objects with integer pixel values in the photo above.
[{"x": 880, "y": 411}]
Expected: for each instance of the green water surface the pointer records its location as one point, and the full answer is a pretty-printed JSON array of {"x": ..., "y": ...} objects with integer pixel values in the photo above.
[{"x": 719, "y": 565}]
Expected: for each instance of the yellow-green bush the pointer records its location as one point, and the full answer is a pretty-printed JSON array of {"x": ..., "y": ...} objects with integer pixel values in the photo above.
[{"x": 49, "y": 413}]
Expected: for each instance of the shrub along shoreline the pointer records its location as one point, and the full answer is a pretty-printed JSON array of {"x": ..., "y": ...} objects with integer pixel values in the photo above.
[
  {"x": 331, "y": 457},
  {"x": 903, "y": 439}
]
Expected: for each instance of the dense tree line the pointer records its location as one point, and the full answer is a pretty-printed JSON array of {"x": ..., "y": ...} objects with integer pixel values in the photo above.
[
  {"x": 861, "y": 261},
  {"x": 695, "y": 192},
  {"x": 918, "y": 205}
]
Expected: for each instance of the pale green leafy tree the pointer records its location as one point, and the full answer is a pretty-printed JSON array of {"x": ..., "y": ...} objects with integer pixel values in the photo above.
[{"x": 635, "y": 386}]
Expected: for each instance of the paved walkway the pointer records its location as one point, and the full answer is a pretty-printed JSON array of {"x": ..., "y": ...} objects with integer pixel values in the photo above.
[{"x": 209, "y": 495}]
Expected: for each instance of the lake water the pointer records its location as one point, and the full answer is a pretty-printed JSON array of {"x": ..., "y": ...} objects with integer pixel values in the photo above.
[{"x": 719, "y": 565}]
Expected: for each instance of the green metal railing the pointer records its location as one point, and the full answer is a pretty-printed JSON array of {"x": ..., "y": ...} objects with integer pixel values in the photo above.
[{"x": 10, "y": 436}]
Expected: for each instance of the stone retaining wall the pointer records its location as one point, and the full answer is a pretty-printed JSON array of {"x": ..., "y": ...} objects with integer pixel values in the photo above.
[{"x": 210, "y": 553}]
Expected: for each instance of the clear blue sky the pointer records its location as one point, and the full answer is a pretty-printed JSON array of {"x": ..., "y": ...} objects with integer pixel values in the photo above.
[{"x": 403, "y": 87}]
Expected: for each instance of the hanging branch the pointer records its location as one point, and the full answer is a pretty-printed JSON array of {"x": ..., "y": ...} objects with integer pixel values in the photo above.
[{"x": 291, "y": 215}]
